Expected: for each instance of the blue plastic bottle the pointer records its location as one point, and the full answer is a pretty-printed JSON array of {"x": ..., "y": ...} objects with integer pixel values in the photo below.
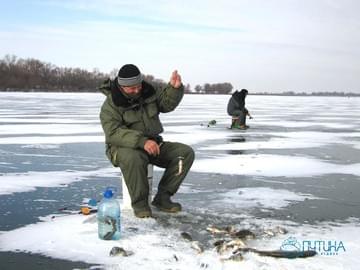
[{"x": 108, "y": 217}]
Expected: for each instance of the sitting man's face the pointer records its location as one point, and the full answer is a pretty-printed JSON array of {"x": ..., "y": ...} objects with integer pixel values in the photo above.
[{"x": 132, "y": 91}]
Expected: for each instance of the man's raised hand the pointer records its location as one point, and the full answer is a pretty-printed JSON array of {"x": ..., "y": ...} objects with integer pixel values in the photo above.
[{"x": 175, "y": 79}]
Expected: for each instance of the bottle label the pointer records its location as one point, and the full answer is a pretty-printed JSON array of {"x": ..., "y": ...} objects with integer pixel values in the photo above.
[{"x": 109, "y": 228}]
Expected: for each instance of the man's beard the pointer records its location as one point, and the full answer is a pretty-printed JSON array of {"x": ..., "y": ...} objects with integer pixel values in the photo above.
[
  {"x": 131, "y": 96},
  {"x": 134, "y": 96}
]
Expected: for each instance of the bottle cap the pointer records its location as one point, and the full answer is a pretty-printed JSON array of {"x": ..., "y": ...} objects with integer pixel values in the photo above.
[
  {"x": 108, "y": 193},
  {"x": 92, "y": 202}
]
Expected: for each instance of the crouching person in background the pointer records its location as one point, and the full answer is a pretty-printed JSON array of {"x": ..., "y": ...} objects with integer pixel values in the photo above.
[
  {"x": 236, "y": 108},
  {"x": 132, "y": 127}
]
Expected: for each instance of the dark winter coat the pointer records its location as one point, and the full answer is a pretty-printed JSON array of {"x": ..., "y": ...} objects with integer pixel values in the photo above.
[{"x": 236, "y": 104}]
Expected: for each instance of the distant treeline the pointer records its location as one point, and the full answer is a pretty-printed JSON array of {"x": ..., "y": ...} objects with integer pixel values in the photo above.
[
  {"x": 17, "y": 74},
  {"x": 216, "y": 88}
]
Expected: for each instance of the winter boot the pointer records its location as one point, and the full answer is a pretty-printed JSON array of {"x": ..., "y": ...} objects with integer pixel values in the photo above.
[
  {"x": 243, "y": 127},
  {"x": 163, "y": 203},
  {"x": 144, "y": 212}
]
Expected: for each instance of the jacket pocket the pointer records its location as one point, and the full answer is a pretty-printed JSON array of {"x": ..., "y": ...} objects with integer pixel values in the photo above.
[
  {"x": 130, "y": 117},
  {"x": 111, "y": 153}
]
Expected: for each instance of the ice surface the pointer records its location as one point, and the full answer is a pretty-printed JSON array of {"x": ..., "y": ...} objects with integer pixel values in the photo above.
[
  {"x": 260, "y": 197},
  {"x": 285, "y": 136},
  {"x": 274, "y": 143},
  {"x": 24, "y": 182},
  {"x": 155, "y": 247},
  {"x": 51, "y": 139},
  {"x": 272, "y": 165},
  {"x": 50, "y": 129}
]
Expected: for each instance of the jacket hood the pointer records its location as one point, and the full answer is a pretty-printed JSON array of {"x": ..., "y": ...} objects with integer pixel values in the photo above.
[
  {"x": 240, "y": 96},
  {"x": 111, "y": 87}
]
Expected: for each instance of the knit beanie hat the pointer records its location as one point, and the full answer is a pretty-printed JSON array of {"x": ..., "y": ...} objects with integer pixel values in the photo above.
[
  {"x": 129, "y": 75},
  {"x": 244, "y": 91}
]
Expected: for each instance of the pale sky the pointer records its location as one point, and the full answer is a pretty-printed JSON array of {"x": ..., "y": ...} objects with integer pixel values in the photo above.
[{"x": 261, "y": 45}]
